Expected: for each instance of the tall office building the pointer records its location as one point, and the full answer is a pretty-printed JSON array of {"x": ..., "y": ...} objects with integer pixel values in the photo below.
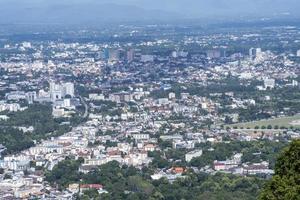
[
  {"x": 114, "y": 55},
  {"x": 30, "y": 97},
  {"x": 59, "y": 91},
  {"x": 130, "y": 55},
  {"x": 68, "y": 89},
  {"x": 137, "y": 54},
  {"x": 55, "y": 91},
  {"x": 122, "y": 54},
  {"x": 104, "y": 54},
  {"x": 216, "y": 53},
  {"x": 254, "y": 52}
]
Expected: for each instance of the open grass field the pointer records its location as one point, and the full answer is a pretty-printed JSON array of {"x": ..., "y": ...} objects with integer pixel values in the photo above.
[{"x": 280, "y": 122}]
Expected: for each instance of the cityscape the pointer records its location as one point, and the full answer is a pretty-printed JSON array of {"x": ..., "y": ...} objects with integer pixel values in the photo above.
[{"x": 150, "y": 110}]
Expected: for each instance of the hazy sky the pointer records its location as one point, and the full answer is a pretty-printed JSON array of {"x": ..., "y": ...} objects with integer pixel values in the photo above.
[
  {"x": 84, "y": 10},
  {"x": 197, "y": 7}
]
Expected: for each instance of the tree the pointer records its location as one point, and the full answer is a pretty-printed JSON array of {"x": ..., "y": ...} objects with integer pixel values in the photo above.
[
  {"x": 7, "y": 176},
  {"x": 64, "y": 173},
  {"x": 285, "y": 184},
  {"x": 138, "y": 184},
  {"x": 269, "y": 126},
  {"x": 91, "y": 194}
]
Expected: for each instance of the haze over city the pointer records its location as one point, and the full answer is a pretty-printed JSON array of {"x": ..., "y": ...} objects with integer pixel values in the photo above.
[
  {"x": 149, "y": 99},
  {"x": 97, "y": 11}
]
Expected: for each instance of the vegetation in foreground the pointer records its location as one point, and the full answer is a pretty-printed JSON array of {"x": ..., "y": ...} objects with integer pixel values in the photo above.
[
  {"x": 285, "y": 184},
  {"x": 124, "y": 182}
]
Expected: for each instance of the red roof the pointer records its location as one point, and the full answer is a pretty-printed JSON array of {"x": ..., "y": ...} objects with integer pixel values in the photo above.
[{"x": 178, "y": 170}]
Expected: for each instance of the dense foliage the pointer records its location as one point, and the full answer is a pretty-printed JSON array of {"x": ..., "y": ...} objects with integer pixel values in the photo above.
[
  {"x": 131, "y": 183},
  {"x": 64, "y": 173},
  {"x": 39, "y": 117},
  {"x": 14, "y": 139},
  {"x": 255, "y": 151},
  {"x": 285, "y": 184}
]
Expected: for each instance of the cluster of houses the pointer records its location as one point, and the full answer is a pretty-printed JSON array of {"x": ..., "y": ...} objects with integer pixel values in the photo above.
[{"x": 235, "y": 166}]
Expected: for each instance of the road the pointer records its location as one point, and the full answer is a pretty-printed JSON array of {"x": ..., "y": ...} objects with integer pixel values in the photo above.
[{"x": 86, "y": 107}]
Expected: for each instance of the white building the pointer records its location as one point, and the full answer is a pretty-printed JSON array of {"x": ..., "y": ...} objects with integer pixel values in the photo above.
[
  {"x": 295, "y": 83},
  {"x": 31, "y": 97},
  {"x": 254, "y": 52},
  {"x": 172, "y": 95},
  {"x": 257, "y": 168},
  {"x": 15, "y": 95},
  {"x": 193, "y": 154},
  {"x": 171, "y": 137},
  {"x": 96, "y": 96},
  {"x": 68, "y": 89},
  {"x": 180, "y": 144},
  {"x": 141, "y": 136},
  {"x": 59, "y": 91},
  {"x": 147, "y": 58},
  {"x": 58, "y": 112},
  {"x": 163, "y": 101},
  {"x": 269, "y": 83},
  {"x": 55, "y": 91}
]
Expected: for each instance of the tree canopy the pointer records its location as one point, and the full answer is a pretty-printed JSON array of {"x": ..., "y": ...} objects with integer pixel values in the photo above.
[{"x": 285, "y": 184}]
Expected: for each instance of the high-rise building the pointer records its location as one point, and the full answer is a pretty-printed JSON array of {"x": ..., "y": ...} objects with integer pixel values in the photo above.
[
  {"x": 213, "y": 53},
  {"x": 59, "y": 91},
  {"x": 294, "y": 83},
  {"x": 130, "y": 55},
  {"x": 105, "y": 54},
  {"x": 122, "y": 54},
  {"x": 30, "y": 97},
  {"x": 137, "y": 54},
  {"x": 114, "y": 55},
  {"x": 55, "y": 91},
  {"x": 254, "y": 52},
  {"x": 216, "y": 53},
  {"x": 68, "y": 89}
]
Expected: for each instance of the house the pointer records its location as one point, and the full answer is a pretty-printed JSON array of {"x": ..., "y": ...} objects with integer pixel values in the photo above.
[
  {"x": 150, "y": 147},
  {"x": 141, "y": 136},
  {"x": 258, "y": 168},
  {"x": 225, "y": 165},
  {"x": 193, "y": 154},
  {"x": 87, "y": 168},
  {"x": 180, "y": 144},
  {"x": 177, "y": 170},
  {"x": 74, "y": 188},
  {"x": 85, "y": 187},
  {"x": 219, "y": 165}
]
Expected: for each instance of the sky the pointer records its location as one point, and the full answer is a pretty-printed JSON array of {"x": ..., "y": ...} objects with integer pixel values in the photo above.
[
  {"x": 82, "y": 11},
  {"x": 199, "y": 8}
]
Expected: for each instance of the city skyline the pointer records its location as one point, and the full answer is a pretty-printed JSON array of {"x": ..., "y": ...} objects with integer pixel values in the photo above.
[{"x": 149, "y": 99}]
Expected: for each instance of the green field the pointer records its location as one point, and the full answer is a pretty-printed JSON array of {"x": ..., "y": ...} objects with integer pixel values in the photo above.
[{"x": 280, "y": 122}]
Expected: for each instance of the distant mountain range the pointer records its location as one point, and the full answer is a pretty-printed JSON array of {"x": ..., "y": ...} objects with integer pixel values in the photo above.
[
  {"x": 99, "y": 11},
  {"x": 79, "y": 13}
]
